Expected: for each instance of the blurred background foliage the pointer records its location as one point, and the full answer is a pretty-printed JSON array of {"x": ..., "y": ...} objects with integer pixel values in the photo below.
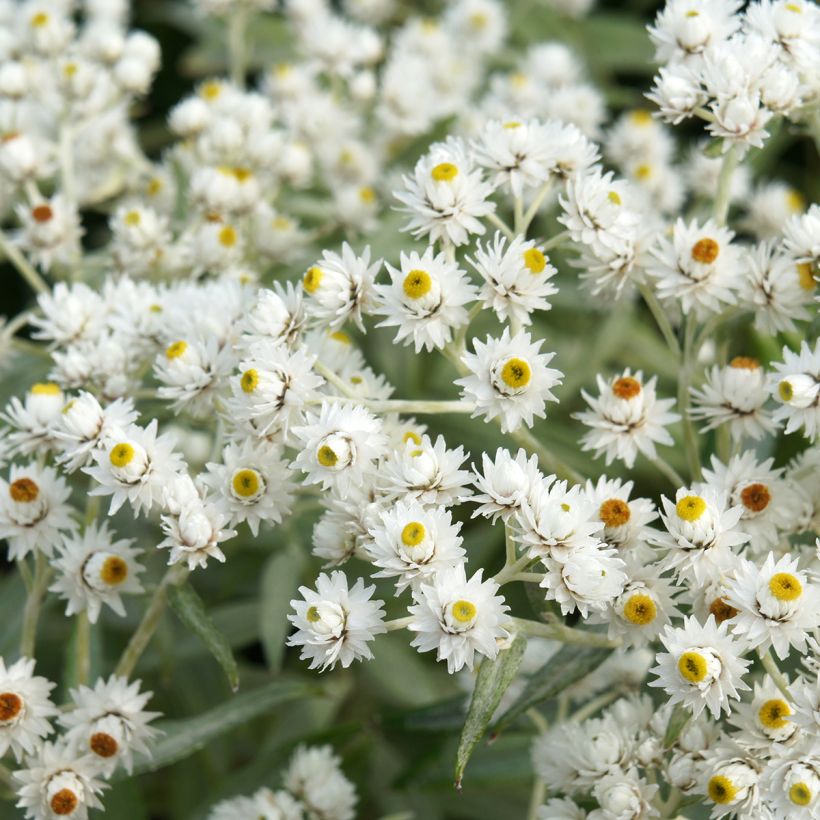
[{"x": 394, "y": 720}]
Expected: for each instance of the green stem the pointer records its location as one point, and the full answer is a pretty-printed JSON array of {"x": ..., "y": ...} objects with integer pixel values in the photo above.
[
  {"x": 83, "y": 649},
  {"x": 530, "y": 213},
  {"x": 778, "y": 678},
  {"x": 501, "y": 225},
  {"x": 595, "y": 705},
  {"x": 24, "y": 267},
  {"x": 175, "y": 576},
  {"x": 340, "y": 384},
  {"x": 237, "y": 24},
  {"x": 566, "y": 634},
  {"x": 690, "y": 437},
  {"x": 34, "y": 600},
  {"x": 556, "y": 240},
  {"x": 510, "y": 570},
  {"x": 724, "y": 187},
  {"x": 404, "y": 406},
  {"x": 661, "y": 319},
  {"x": 509, "y": 545},
  {"x": 528, "y": 441},
  {"x": 537, "y": 795},
  {"x": 518, "y": 215},
  {"x": 669, "y": 471}
]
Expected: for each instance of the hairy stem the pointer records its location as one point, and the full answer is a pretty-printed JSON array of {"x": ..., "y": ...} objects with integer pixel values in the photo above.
[
  {"x": 566, "y": 634},
  {"x": 690, "y": 436},
  {"x": 778, "y": 678},
  {"x": 24, "y": 267},
  {"x": 661, "y": 319},
  {"x": 34, "y": 601},
  {"x": 724, "y": 187}
]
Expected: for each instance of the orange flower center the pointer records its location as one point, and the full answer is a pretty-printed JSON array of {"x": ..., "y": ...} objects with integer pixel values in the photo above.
[{"x": 626, "y": 387}]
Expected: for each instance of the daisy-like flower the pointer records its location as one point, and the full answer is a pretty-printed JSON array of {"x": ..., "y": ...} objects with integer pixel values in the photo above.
[
  {"x": 446, "y": 197},
  {"x": 136, "y": 466},
  {"x": 624, "y": 794},
  {"x": 509, "y": 379},
  {"x": 94, "y": 569},
  {"x": 777, "y": 604},
  {"x": 625, "y": 521},
  {"x": 425, "y": 299},
  {"x": 515, "y": 278},
  {"x": 505, "y": 485},
  {"x": 58, "y": 783},
  {"x": 797, "y": 387},
  {"x": 700, "y": 533},
  {"x": 85, "y": 425},
  {"x": 341, "y": 287},
  {"x": 25, "y": 707},
  {"x": 806, "y": 694},
  {"x": 427, "y": 472},
  {"x": 314, "y": 777},
  {"x": 766, "y": 719},
  {"x": 340, "y": 446},
  {"x": 277, "y": 315},
  {"x": 731, "y": 780},
  {"x": 194, "y": 527},
  {"x": 71, "y": 313},
  {"x": 702, "y": 667},
  {"x": 411, "y": 543},
  {"x": 33, "y": 418},
  {"x": 336, "y": 622},
  {"x": 698, "y": 266},
  {"x": 734, "y": 395},
  {"x": 626, "y": 418},
  {"x": 252, "y": 483},
  {"x": 273, "y": 385},
  {"x": 34, "y": 513},
  {"x": 791, "y": 781},
  {"x": 767, "y": 500},
  {"x": 457, "y": 617},
  {"x": 110, "y": 722},
  {"x": 800, "y": 237}
]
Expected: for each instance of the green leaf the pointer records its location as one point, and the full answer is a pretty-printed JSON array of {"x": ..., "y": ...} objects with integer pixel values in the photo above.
[
  {"x": 677, "y": 720},
  {"x": 493, "y": 679},
  {"x": 12, "y": 603},
  {"x": 280, "y": 579},
  {"x": 569, "y": 664},
  {"x": 182, "y": 738},
  {"x": 444, "y": 716},
  {"x": 714, "y": 148},
  {"x": 191, "y": 611}
]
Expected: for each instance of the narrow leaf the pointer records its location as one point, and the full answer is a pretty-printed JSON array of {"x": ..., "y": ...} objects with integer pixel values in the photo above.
[
  {"x": 280, "y": 580},
  {"x": 677, "y": 720},
  {"x": 191, "y": 611},
  {"x": 569, "y": 664},
  {"x": 493, "y": 679},
  {"x": 182, "y": 738}
]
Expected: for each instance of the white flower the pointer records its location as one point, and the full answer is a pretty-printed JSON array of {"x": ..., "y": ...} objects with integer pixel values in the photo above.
[
  {"x": 797, "y": 387},
  {"x": 70, "y": 314},
  {"x": 731, "y": 779},
  {"x": 698, "y": 266},
  {"x": 677, "y": 92},
  {"x": 33, "y": 418},
  {"x": 791, "y": 782},
  {"x": 427, "y": 472},
  {"x": 412, "y": 543},
  {"x": 336, "y": 622},
  {"x": 702, "y": 668},
  {"x": 25, "y": 708},
  {"x": 135, "y": 467},
  {"x": 315, "y": 778},
  {"x": 194, "y": 526},
  {"x": 50, "y": 231},
  {"x": 734, "y": 395},
  {"x": 445, "y": 197},
  {"x": 506, "y": 483},
  {"x": 425, "y": 299},
  {"x": 341, "y": 287},
  {"x": 625, "y": 522},
  {"x": 516, "y": 278},
  {"x": 58, "y": 783},
  {"x": 777, "y": 604},
  {"x": 701, "y": 531},
  {"x": 766, "y": 719},
  {"x": 94, "y": 569},
  {"x": 34, "y": 513},
  {"x": 278, "y": 315},
  {"x": 457, "y": 617},
  {"x": 626, "y": 419},
  {"x": 110, "y": 722},
  {"x": 339, "y": 446},
  {"x": 800, "y": 236},
  {"x": 624, "y": 795},
  {"x": 509, "y": 379},
  {"x": 252, "y": 484},
  {"x": 740, "y": 120}
]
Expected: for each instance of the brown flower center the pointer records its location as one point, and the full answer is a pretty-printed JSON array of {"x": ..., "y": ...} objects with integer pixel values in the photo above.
[
  {"x": 42, "y": 213},
  {"x": 705, "y": 251},
  {"x": 10, "y": 706},
  {"x": 721, "y": 610},
  {"x": 24, "y": 490},
  {"x": 103, "y": 744},
  {"x": 614, "y": 512},
  {"x": 755, "y": 497},
  {"x": 626, "y": 387},
  {"x": 64, "y": 802}
]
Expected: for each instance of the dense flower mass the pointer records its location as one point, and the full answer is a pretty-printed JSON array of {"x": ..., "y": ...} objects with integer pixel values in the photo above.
[{"x": 399, "y": 323}]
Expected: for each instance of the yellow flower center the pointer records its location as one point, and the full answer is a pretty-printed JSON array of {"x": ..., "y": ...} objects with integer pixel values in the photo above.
[
  {"x": 773, "y": 713},
  {"x": 464, "y": 611},
  {"x": 39, "y": 20},
  {"x": 444, "y": 172},
  {"x": 281, "y": 223},
  {"x": 643, "y": 171},
  {"x": 175, "y": 350},
  {"x": 413, "y": 534},
  {"x": 690, "y": 508},
  {"x": 805, "y": 276},
  {"x": 341, "y": 337},
  {"x": 614, "y": 197},
  {"x": 755, "y": 497},
  {"x": 312, "y": 615},
  {"x": 132, "y": 218},
  {"x": 785, "y": 586},
  {"x": 24, "y": 490},
  {"x": 614, "y": 512},
  {"x": 640, "y": 610},
  {"x": 312, "y": 279},
  {"x": 692, "y": 13},
  {"x": 478, "y": 20},
  {"x": 417, "y": 283},
  {"x": 45, "y": 389},
  {"x": 245, "y": 483},
  {"x": 114, "y": 570},
  {"x": 705, "y": 251},
  {"x": 411, "y": 436},
  {"x": 721, "y": 789},
  {"x": 512, "y": 125},
  {"x": 367, "y": 195},
  {"x": 211, "y": 90},
  {"x": 626, "y": 387},
  {"x": 154, "y": 186},
  {"x": 800, "y": 794},
  {"x": 793, "y": 7},
  {"x": 68, "y": 405},
  {"x": 640, "y": 116},
  {"x": 121, "y": 454},
  {"x": 326, "y": 456},
  {"x": 516, "y": 373},
  {"x": 535, "y": 260},
  {"x": 795, "y": 200},
  {"x": 692, "y": 666},
  {"x": 249, "y": 381},
  {"x": 227, "y": 237},
  {"x": 744, "y": 363}
]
